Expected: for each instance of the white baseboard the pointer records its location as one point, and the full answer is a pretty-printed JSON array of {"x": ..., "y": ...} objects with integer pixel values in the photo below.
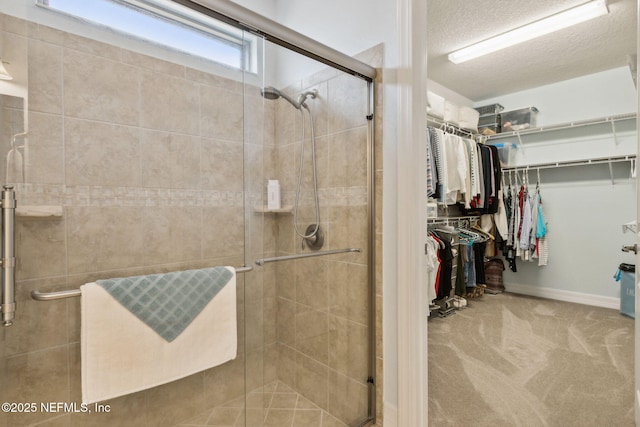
[
  {"x": 569, "y": 296},
  {"x": 390, "y": 415}
]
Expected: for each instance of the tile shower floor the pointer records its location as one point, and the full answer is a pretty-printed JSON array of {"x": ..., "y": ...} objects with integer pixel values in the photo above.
[{"x": 276, "y": 404}]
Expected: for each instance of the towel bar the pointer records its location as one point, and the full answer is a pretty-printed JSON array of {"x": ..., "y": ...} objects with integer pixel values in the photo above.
[
  {"x": 308, "y": 255},
  {"x": 48, "y": 296}
]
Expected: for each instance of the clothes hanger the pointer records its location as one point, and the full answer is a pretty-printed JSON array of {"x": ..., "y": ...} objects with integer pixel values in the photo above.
[{"x": 488, "y": 236}]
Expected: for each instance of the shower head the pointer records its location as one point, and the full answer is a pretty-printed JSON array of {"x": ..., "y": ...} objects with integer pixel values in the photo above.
[{"x": 271, "y": 92}]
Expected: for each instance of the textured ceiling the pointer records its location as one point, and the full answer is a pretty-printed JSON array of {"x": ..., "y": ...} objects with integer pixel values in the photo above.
[{"x": 590, "y": 47}]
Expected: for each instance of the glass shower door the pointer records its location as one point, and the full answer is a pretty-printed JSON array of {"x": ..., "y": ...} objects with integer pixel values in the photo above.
[{"x": 317, "y": 147}]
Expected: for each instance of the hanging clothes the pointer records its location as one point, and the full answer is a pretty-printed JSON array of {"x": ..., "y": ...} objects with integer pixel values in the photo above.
[
  {"x": 433, "y": 267},
  {"x": 446, "y": 258},
  {"x": 463, "y": 171}
]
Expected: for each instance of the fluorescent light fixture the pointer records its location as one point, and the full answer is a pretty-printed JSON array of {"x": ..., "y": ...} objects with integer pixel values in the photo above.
[{"x": 556, "y": 22}]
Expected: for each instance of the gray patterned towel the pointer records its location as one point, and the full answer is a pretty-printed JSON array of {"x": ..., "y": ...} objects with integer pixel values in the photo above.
[{"x": 168, "y": 303}]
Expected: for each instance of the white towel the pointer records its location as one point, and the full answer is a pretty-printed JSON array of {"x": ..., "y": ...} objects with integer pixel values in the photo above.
[{"x": 122, "y": 355}]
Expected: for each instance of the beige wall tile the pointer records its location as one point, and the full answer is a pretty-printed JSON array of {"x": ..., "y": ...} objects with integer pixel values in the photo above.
[
  {"x": 43, "y": 158},
  {"x": 255, "y": 369},
  {"x": 222, "y": 231},
  {"x": 221, "y": 114},
  {"x": 94, "y": 88},
  {"x": 169, "y": 160},
  {"x": 349, "y": 346},
  {"x": 40, "y": 248},
  {"x": 312, "y": 283},
  {"x": 37, "y": 377},
  {"x": 105, "y": 238},
  {"x": 347, "y": 103},
  {"x": 79, "y": 43},
  {"x": 348, "y": 158},
  {"x": 212, "y": 79},
  {"x": 259, "y": 125},
  {"x": 45, "y": 77},
  {"x": 271, "y": 363},
  {"x": 151, "y": 63},
  {"x": 287, "y": 365},
  {"x": 169, "y": 103},
  {"x": 171, "y": 234},
  {"x": 348, "y": 228},
  {"x": 257, "y": 159},
  {"x": 312, "y": 380},
  {"x": 16, "y": 26},
  {"x": 286, "y": 285},
  {"x": 347, "y": 398},
  {"x": 286, "y": 322},
  {"x": 348, "y": 291},
  {"x": 224, "y": 383},
  {"x": 287, "y": 164},
  {"x": 312, "y": 333},
  {"x": 254, "y": 324},
  {"x": 168, "y": 404},
  {"x": 101, "y": 154},
  {"x": 222, "y": 165}
]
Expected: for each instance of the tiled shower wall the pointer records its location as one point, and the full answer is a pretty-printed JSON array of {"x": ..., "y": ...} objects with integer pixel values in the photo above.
[{"x": 146, "y": 157}]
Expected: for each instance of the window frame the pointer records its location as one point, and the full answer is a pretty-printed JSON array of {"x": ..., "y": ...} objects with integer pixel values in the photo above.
[{"x": 174, "y": 14}]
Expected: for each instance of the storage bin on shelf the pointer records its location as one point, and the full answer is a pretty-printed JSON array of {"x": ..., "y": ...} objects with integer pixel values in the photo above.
[
  {"x": 489, "y": 122},
  {"x": 489, "y": 109},
  {"x": 515, "y": 120},
  {"x": 507, "y": 153}
]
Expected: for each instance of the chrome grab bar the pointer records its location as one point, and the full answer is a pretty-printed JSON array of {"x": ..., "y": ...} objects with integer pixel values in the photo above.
[
  {"x": 49, "y": 296},
  {"x": 263, "y": 261}
]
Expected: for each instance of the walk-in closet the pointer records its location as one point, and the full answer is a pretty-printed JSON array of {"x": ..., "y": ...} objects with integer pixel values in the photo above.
[{"x": 531, "y": 195}]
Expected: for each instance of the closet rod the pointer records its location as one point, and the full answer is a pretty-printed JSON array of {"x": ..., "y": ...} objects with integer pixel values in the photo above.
[
  {"x": 567, "y": 163},
  {"x": 453, "y": 220},
  {"x": 48, "y": 296},
  {"x": 440, "y": 122}
]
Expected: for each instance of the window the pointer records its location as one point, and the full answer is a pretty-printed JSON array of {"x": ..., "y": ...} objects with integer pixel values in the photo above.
[{"x": 168, "y": 24}]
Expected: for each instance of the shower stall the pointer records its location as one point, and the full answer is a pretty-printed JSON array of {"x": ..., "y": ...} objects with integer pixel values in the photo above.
[{"x": 138, "y": 157}]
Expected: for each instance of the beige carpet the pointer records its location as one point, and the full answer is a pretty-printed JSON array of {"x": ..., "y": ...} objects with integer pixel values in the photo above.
[{"x": 510, "y": 360}]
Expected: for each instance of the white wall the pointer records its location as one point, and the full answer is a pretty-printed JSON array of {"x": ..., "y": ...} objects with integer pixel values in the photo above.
[
  {"x": 585, "y": 211},
  {"x": 596, "y": 95}
]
